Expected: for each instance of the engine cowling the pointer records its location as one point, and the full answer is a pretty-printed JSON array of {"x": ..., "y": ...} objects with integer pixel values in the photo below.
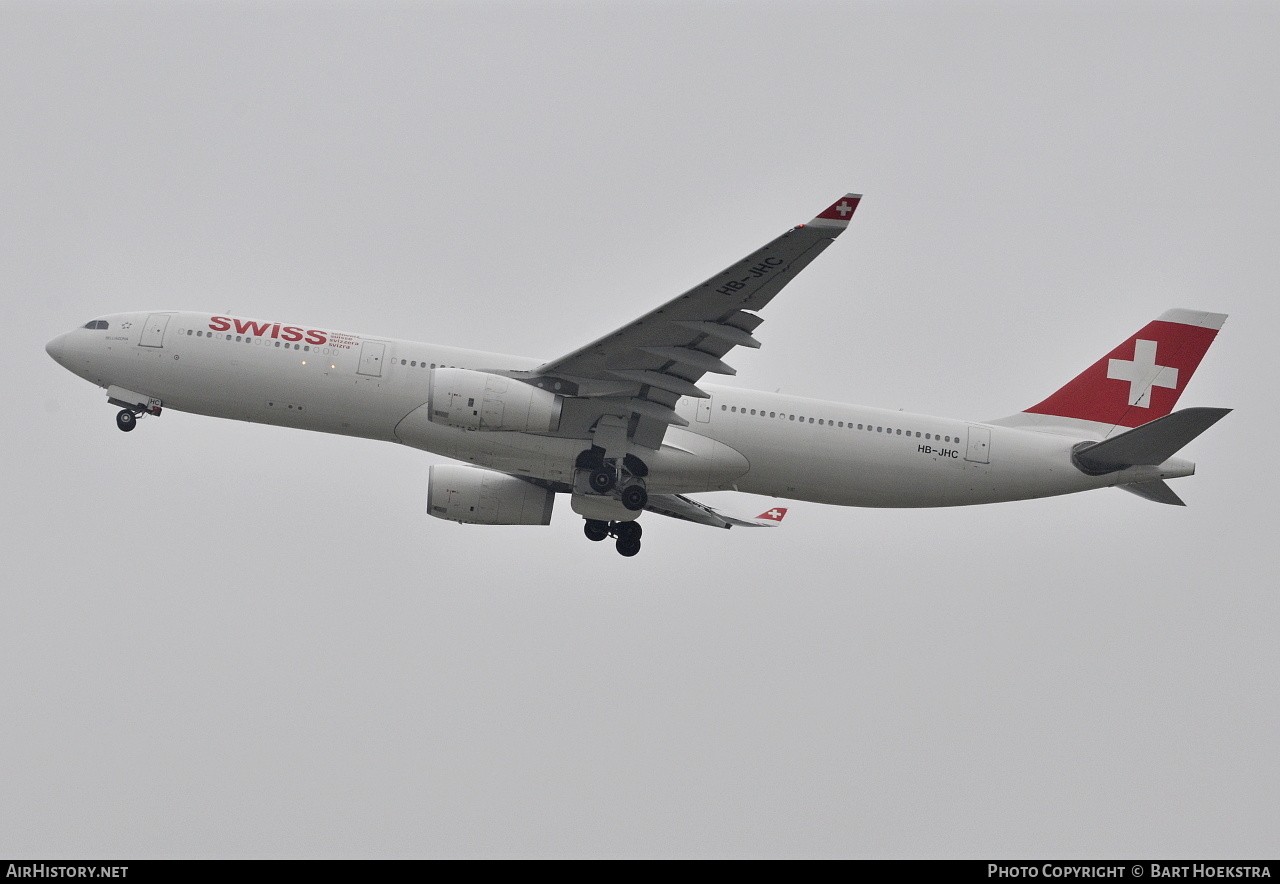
[
  {"x": 475, "y": 400},
  {"x": 486, "y": 497}
]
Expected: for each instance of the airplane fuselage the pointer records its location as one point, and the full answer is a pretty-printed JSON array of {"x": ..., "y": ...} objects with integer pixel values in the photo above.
[{"x": 743, "y": 440}]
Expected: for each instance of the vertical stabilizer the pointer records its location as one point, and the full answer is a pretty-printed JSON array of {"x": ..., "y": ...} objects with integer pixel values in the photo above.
[{"x": 1137, "y": 382}]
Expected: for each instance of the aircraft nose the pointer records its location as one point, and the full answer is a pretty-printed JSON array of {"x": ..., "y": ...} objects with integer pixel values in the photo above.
[{"x": 57, "y": 348}]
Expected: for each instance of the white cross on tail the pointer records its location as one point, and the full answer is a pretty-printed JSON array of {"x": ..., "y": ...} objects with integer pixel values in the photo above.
[{"x": 1142, "y": 373}]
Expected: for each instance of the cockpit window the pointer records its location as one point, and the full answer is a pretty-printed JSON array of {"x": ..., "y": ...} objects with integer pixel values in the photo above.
[{"x": 96, "y": 324}]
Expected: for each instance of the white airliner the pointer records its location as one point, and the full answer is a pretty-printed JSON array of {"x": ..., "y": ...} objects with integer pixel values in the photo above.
[{"x": 626, "y": 424}]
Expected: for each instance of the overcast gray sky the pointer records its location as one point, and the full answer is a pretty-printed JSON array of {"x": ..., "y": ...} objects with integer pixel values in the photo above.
[{"x": 229, "y": 640}]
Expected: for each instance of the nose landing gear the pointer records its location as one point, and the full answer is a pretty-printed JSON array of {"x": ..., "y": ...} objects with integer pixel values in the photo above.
[
  {"x": 132, "y": 407},
  {"x": 126, "y": 420}
]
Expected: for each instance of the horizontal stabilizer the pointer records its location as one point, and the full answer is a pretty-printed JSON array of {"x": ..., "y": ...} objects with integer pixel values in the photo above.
[
  {"x": 1158, "y": 491},
  {"x": 1150, "y": 444}
]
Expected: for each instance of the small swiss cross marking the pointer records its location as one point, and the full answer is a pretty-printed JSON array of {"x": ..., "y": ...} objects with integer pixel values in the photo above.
[
  {"x": 844, "y": 209},
  {"x": 773, "y": 515},
  {"x": 1142, "y": 373}
]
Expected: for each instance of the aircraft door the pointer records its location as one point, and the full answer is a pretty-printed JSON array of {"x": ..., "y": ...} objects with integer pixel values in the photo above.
[
  {"x": 704, "y": 411},
  {"x": 371, "y": 354},
  {"x": 979, "y": 450},
  {"x": 153, "y": 331}
]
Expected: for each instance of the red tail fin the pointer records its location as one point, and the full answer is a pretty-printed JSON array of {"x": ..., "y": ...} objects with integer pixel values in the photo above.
[{"x": 1141, "y": 379}]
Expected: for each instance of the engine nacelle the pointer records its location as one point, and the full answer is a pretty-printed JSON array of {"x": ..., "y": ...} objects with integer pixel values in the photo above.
[
  {"x": 475, "y": 400},
  {"x": 486, "y": 497}
]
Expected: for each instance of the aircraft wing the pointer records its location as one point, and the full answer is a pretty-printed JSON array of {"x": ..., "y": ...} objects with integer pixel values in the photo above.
[
  {"x": 677, "y": 506},
  {"x": 640, "y": 371}
]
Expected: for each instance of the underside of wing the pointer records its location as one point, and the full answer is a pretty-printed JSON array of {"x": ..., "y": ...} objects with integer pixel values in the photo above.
[{"x": 677, "y": 506}]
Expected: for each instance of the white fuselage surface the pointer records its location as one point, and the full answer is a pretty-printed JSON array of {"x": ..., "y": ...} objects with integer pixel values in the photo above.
[{"x": 743, "y": 440}]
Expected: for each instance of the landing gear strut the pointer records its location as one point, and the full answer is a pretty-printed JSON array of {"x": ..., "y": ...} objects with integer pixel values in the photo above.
[{"x": 126, "y": 420}]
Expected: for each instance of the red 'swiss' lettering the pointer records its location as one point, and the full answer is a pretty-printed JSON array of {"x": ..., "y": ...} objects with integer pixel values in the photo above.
[
  {"x": 257, "y": 329},
  {"x": 313, "y": 336}
]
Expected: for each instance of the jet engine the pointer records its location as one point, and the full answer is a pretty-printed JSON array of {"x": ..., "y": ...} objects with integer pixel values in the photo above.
[
  {"x": 475, "y": 400},
  {"x": 486, "y": 497}
]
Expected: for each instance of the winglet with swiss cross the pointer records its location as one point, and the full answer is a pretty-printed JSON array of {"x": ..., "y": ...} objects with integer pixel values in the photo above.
[
  {"x": 771, "y": 517},
  {"x": 838, "y": 213}
]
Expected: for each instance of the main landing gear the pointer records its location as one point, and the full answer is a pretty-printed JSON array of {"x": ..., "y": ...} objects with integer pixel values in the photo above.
[
  {"x": 625, "y": 481},
  {"x": 628, "y": 534}
]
